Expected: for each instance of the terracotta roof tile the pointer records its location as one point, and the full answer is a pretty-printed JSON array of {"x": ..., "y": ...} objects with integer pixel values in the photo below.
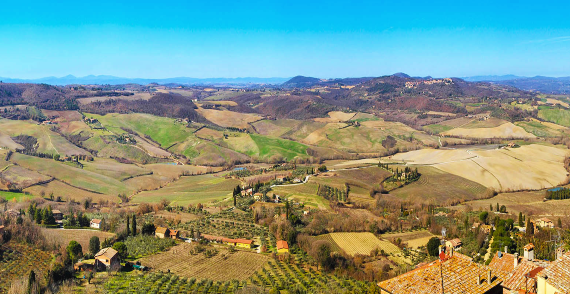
[
  {"x": 282, "y": 245},
  {"x": 521, "y": 278},
  {"x": 557, "y": 274},
  {"x": 457, "y": 274}
]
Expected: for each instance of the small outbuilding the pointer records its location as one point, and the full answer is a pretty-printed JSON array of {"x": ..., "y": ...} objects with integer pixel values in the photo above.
[
  {"x": 95, "y": 223},
  {"x": 282, "y": 247}
]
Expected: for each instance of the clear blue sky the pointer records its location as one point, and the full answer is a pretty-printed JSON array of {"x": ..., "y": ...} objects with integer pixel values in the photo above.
[{"x": 159, "y": 39}]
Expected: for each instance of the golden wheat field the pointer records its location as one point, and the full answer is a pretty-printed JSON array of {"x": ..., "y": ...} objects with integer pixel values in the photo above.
[
  {"x": 527, "y": 167},
  {"x": 506, "y": 130}
]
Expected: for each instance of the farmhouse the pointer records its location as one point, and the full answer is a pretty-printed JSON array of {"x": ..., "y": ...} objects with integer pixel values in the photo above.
[
  {"x": 174, "y": 234},
  {"x": 247, "y": 192},
  {"x": 107, "y": 258},
  {"x": 282, "y": 247},
  {"x": 162, "y": 232},
  {"x": 95, "y": 223},
  {"x": 455, "y": 273},
  {"x": 455, "y": 244},
  {"x": 257, "y": 196},
  {"x": 544, "y": 222},
  {"x": 57, "y": 215},
  {"x": 244, "y": 243}
]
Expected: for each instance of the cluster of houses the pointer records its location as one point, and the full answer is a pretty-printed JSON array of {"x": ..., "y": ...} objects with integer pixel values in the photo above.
[
  {"x": 506, "y": 273},
  {"x": 413, "y": 84}
]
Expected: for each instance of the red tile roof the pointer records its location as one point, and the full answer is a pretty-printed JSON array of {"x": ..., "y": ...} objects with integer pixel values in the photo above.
[
  {"x": 557, "y": 274},
  {"x": 282, "y": 245},
  {"x": 505, "y": 264},
  {"x": 521, "y": 278},
  {"x": 457, "y": 274}
]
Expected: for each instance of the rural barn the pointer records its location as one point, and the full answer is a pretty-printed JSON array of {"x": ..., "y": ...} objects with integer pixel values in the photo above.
[
  {"x": 282, "y": 247},
  {"x": 95, "y": 223},
  {"x": 162, "y": 232},
  {"x": 107, "y": 258}
]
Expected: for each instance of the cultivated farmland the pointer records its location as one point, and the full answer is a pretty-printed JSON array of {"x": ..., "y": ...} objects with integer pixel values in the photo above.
[
  {"x": 18, "y": 260},
  {"x": 62, "y": 237},
  {"x": 507, "y": 130},
  {"x": 414, "y": 239},
  {"x": 239, "y": 265},
  {"x": 362, "y": 243},
  {"x": 190, "y": 190},
  {"x": 532, "y": 166}
]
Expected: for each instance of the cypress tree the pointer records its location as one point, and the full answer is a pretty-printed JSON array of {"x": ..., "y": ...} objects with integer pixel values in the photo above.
[
  {"x": 31, "y": 282},
  {"x": 128, "y": 230},
  {"x": 520, "y": 219},
  {"x": 134, "y": 225}
]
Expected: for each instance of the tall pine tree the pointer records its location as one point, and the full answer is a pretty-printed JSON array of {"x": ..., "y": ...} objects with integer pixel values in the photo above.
[{"x": 128, "y": 230}]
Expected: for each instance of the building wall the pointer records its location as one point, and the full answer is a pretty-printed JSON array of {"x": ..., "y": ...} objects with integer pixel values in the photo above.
[
  {"x": 281, "y": 251},
  {"x": 543, "y": 287},
  {"x": 243, "y": 245}
]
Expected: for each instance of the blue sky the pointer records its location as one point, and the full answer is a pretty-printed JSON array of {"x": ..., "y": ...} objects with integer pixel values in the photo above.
[{"x": 160, "y": 39}]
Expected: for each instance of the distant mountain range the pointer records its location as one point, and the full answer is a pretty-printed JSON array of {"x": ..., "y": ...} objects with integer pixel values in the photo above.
[
  {"x": 542, "y": 84},
  {"x": 112, "y": 80}
]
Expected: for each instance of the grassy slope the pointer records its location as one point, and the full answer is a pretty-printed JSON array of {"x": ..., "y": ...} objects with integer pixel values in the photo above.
[
  {"x": 190, "y": 190},
  {"x": 74, "y": 176},
  {"x": 269, "y": 146},
  {"x": 558, "y": 116}
]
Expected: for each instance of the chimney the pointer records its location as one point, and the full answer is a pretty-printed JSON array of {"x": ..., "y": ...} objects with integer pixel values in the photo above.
[
  {"x": 478, "y": 279},
  {"x": 516, "y": 259},
  {"x": 489, "y": 276},
  {"x": 506, "y": 249}
]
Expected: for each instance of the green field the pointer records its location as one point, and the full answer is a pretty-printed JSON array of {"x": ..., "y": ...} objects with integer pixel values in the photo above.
[
  {"x": 304, "y": 193},
  {"x": 11, "y": 196},
  {"x": 538, "y": 129},
  {"x": 554, "y": 115},
  {"x": 73, "y": 176},
  {"x": 165, "y": 131},
  {"x": 190, "y": 190},
  {"x": 276, "y": 146},
  {"x": 437, "y": 128}
]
